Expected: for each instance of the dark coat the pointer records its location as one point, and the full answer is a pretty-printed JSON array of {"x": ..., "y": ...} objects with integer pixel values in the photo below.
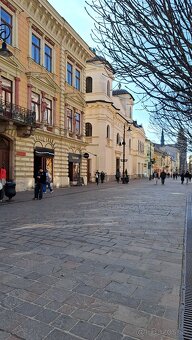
[
  {"x": 41, "y": 177},
  {"x": 163, "y": 175}
]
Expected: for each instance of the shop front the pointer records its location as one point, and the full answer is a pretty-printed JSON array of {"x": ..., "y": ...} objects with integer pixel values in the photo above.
[
  {"x": 74, "y": 168},
  {"x": 43, "y": 157}
]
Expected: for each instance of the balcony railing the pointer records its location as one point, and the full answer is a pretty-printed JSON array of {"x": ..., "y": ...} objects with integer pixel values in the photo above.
[{"x": 16, "y": 113}]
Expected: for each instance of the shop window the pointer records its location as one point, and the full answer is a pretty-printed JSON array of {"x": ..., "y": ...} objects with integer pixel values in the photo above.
[
  {"x": 89, "y": 85},
  {"x": 6, "y": 18},
  {"x": 88, "y": 129}
]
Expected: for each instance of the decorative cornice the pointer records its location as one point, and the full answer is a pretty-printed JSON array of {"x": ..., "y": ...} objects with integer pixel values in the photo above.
[{"x": 7, "y": 3}]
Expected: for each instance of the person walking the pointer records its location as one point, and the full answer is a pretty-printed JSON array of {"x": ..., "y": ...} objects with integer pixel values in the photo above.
[
  {"x": 187, "y": 176},
  {"x": 182, "y": 178},
  {"x": 3, "y": 177},
  {"x": 102, "y": 176},
  {"x": 48, "y": 182},
  {"x": 40, "y": 180},
  {"x": 97, "y": 177},
  {"x": 118, "y": 175},
  {"x": 163, "y": 176},
  {"x": 156, "y": 177}
]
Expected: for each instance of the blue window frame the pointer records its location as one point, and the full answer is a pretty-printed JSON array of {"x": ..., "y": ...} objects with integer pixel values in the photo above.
[
  {"x": 36, "y": 49},
  {"x": 6, "y": 18},
  {"x": 69, "y": 74},
  {"x": 48, "y": 58},
  {"x": 77, "y": 79}
]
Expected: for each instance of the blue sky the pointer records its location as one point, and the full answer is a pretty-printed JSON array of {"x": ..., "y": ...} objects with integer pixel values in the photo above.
[{"x": 74, "y": 12}]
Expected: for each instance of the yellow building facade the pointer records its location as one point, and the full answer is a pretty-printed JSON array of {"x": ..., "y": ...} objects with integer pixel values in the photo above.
[
  {"x": 42, "y": 95},
  {"x": 115, "y": 141}
]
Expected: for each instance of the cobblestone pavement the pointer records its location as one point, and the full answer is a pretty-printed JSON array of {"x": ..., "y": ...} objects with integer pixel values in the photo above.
[{"x": 93, "y": 262}]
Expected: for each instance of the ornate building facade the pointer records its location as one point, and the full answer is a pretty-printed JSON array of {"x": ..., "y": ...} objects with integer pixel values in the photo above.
[
  {"x": 115, "y": 141},
  {"x": 42, "y": 95}
]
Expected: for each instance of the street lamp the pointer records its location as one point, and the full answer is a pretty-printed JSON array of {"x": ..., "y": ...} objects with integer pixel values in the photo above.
[
  {"x": 5, "y": 32},
  {"x": 150, "y": 162},
  {"x": 124, "y": 160}
]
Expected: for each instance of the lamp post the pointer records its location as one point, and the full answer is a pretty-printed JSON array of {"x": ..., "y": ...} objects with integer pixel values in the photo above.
[
  {"x": 124, "y": 160},
  {"x": 150, "y": 162},
  {"x": 5, "y": 32},
  {"x": 123, "y": 180}
]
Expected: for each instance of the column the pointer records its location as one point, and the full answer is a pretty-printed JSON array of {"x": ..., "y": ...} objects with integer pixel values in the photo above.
[
  {"x": 29, "y": 94},
  {"x": 17, "y": 80},
  {"x": 54, "y": 110}
]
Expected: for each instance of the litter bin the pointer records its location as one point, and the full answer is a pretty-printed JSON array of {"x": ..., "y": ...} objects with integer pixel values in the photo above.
[{"x": 9, "y": 189}]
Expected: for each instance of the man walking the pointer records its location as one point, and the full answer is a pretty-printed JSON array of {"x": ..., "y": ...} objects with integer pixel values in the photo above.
[
  {"x": 163, "y": 176},
  {"x": 40, "y": 180}
]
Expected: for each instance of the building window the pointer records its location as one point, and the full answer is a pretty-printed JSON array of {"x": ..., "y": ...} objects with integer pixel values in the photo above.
[
  {"x": 89, "y": 85},
  {"x": 108, "y": 131},
  {"x": 7, "y": 90},
  {"x": 88, "y": 130},
  {"x": 36, "y": 49},
  {"x": 48, "y": 115},
  {"x": 48, "y": 58},
  {"x": 77, "y": 79},
  {"x": 77, "y": 123},
  {"x": 129, "y": 144},
  {"x": 108, "y": 88},
  {"x": 69, "y": 119},
  {"x": 6, "y": 19},
  {"x": 69, "y": 74},
  {"x": 118, "y": 139},
  {"x": 35, "y": 105}
]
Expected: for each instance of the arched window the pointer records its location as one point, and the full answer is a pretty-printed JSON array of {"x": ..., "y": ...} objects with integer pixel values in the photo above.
[
  {"x": 88, "y": 130},
  {"x": 89, "y": 85},
  {"x": 118, "y": 139},
  {"x": 108, "y": 131},
  {"x": 108, "y": 88}
]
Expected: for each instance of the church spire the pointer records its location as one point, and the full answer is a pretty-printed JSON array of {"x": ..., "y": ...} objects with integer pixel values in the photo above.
[{"x": 162, "y": 138}]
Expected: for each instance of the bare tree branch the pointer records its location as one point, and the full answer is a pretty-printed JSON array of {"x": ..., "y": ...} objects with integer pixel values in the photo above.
[{"x": 149, "y": 44}]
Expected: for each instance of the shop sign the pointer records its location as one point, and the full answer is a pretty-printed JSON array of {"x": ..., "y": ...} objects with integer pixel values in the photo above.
[
  {"x": 86, "y": 155},
  {"x": 74, "y": 158}
]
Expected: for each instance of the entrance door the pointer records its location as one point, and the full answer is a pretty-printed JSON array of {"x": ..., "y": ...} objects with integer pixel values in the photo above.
[
  {"x": 43, "y": 158},
  {"x": 117, "y": 164},
  {"x": 70, "y": 171},
  {"x": 4, "y": 154}
]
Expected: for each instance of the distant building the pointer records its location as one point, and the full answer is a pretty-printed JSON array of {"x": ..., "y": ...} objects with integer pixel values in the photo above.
[{"x": 114, "y": 140}]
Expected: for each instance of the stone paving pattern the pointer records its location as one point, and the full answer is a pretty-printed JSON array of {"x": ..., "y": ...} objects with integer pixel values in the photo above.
[{"x": 93, "y": 262}]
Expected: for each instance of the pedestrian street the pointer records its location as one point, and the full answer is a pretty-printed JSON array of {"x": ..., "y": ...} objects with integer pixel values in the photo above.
[{"x": 93, "y": 262}]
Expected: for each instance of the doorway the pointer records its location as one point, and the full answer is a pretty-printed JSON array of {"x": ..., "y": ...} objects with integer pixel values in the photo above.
[{"x": 43, "y": 158}]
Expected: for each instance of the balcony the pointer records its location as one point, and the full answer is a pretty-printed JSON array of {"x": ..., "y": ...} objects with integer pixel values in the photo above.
[
  {"x": 17, "y": 114},
  {"x": 16, "y": 117}
]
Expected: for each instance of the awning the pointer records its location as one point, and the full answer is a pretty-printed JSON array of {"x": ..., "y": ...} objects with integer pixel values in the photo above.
[{"x": 44, "y": 152}]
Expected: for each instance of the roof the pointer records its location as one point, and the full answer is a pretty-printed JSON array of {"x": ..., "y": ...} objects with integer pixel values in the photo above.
[
  {"x": 120, "y": 92},
  {"x": 101, "y": 60}
]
